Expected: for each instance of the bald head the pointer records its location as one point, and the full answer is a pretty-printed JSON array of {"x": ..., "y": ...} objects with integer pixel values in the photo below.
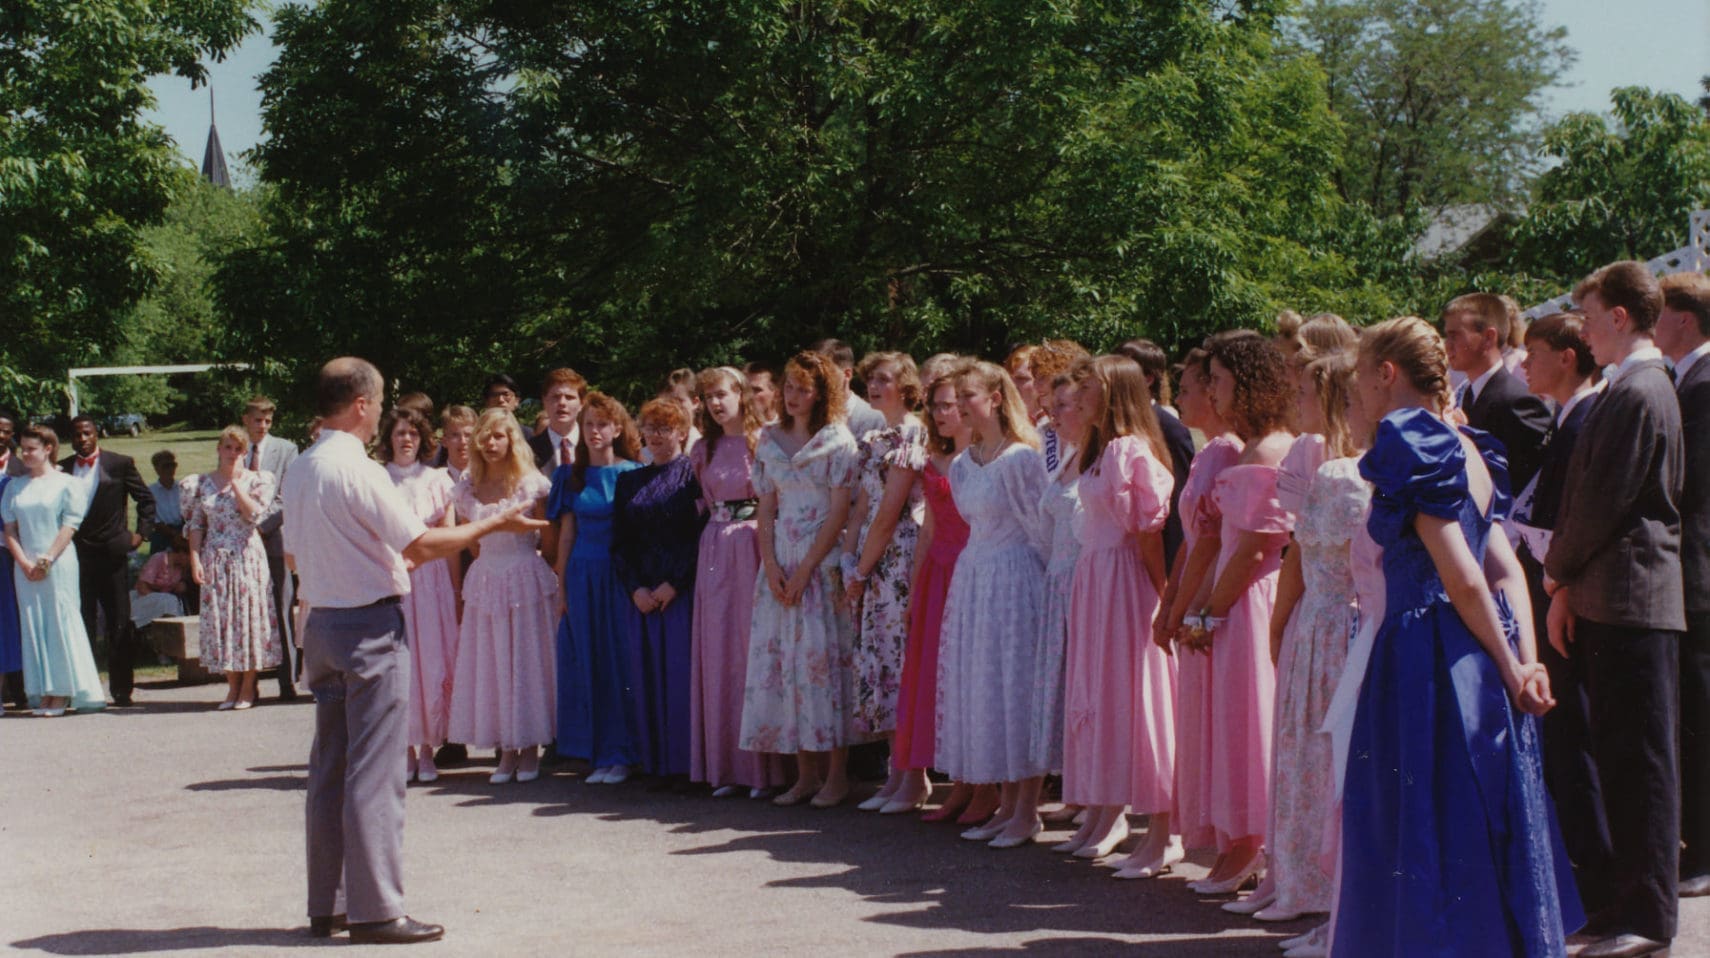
[{"x": 342, "y": 382}]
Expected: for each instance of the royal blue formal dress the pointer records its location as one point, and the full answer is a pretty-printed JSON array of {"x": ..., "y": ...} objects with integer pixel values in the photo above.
[
  {"x": 1449, "y": 841},
  {"x": 657, "y": 541},
  {"x": 596, "y": 695},
  {"x": 11, "y": 636}
]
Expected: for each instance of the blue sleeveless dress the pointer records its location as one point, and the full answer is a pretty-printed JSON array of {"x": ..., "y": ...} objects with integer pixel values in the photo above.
[
  {"x": 1449, "y": 841},
  {"x": 596, "y": 692}
]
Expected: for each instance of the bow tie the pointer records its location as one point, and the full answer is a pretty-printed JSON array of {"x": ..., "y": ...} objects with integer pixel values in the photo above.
[{"x": 90, "y": 462}]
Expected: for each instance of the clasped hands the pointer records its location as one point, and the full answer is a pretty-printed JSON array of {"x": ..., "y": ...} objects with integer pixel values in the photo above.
[
  {"x": 653, "y": 600},
  {"x": 788, "y": 590}
]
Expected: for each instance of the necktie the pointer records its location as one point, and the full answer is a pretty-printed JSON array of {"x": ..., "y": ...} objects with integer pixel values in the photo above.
[
  {"x": 252, "y": 454},
  {"x": 566, "y": 452},
  {"x": 1463, "y": 396}
]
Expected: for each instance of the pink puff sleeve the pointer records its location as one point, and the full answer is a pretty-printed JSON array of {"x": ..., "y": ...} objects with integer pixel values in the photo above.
[
  {"x": 1249, "y": 499},
  {"x": 1294, "y": 476},
  {"x": 1142, "y": 484},
  {"x": 1203, "y": 514}
]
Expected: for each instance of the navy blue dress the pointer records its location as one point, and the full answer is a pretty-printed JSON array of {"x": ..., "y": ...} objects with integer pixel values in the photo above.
[
  {"x": 596, "y": 695},
  {"x": 656, "y": 540},
  {"x": 1449, "y": 840},
  {"x": 11, "y": 634}
]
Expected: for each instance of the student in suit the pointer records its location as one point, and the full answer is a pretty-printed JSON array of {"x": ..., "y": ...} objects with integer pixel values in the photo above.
[
  {"x": 10, "y": 464},
  {"x": 1475, "y": 329},
  {"x": 561, "y": 399},
  {"x": 1615, "y": 578},
  {"x": 104, "y": 543},
  {"x": 271, "y": 454},
  {"x": 1683, "y": 334},
  {"x": 1560, "y": 367}
]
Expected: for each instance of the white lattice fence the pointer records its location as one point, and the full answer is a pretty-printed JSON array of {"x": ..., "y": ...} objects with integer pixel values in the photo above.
[{"x": 1693, "y": 257}]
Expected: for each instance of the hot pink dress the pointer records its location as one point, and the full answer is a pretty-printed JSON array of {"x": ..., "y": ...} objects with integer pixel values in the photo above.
[
  {"x": 504, "y": 693},
  {"x": 1243, "y": 680},
  {"x": 728, "y": 564},
  {"x": 1200, "y": 517},
  {"x": 1120, "y": 688},
  {"x": 430, "y": 610},
  {"x": 917, "y": 717}
]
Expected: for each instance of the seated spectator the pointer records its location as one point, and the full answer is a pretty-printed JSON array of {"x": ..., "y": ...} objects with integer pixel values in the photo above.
[
  {"x": 163, "y": 586},
  {"x": 168, "y": 516}
]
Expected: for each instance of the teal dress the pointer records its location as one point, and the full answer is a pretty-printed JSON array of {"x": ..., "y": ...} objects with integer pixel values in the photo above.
[{"x": 57, "y": 658}]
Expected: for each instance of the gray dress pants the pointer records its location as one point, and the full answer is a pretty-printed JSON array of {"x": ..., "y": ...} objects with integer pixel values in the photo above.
[{"x": 357, "y": 666}]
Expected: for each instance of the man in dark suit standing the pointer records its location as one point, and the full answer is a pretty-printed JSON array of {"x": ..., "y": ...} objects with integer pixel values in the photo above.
[
  {"x": 1559, "y": 367},
  {"x": 104, "y": 543},
  {"x": 1155, "y": 365},
  {"x": 10, "y": 464},
  {"x": 561, "y": 399},
  {"x": 1475, "y": 327},
  {"x": 1615, "y": 577},
  {"x": 1683, "y": 334},
  {"x": 11, "y": 683}
]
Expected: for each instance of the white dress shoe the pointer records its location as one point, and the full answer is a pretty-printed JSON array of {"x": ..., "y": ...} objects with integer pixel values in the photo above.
[
  {"x": 500, "y": 778},
  {"x": 1247, "y": 906},
  {"x": 874, "y": 803},
  {"x": 617, "y": 775},
  {"x": 1272, "y": 913},
  {"x": 597, "y": 776}
]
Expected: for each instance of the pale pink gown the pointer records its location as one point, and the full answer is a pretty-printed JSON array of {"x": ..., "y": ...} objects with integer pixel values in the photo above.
[
  {"x": 504, "y": 693},
  {"x": 727, "y": 565},
  {"x": 1243, "y": 679},
  {"x": 1200, "y": 517},
  {"x": 1120, "y": 688},
  {"x": 430, "y": 610}
]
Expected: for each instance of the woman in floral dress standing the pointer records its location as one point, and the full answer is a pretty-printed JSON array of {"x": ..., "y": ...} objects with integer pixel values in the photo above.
[
  {"x": 878, "y": 564},
  {"x": 799, "y": 688},
  {"x": 239, "y": 625}
]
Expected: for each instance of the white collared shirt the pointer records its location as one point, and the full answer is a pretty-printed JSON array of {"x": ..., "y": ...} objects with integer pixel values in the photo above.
[
  {"x": 1633, "y": 359},
  {"x": 1477, "y": 386},
  {"x": 346, "y": 525},
  {"x": 87, "y": 476},
  {"x": 1520, "y": 528},
  {"x": 558, "y": 440},
  {"x": 1689, "y": 360}
]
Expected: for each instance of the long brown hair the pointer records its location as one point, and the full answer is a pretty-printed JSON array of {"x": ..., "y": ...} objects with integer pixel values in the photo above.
[
  {"x": 1264, "y": 400},
  {"x": 1332, "y": 380},
  {"x": 625, "y": 445},
  {"x": 1416, "y": 350},
  {"x": 830, "y": 390},
  {"x": 1127, "y": 407},
  {"x": 711, "y": 431}
]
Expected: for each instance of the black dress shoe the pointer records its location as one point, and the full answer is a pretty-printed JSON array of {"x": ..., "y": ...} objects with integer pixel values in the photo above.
[
  {"x": 450, "y": 754},
  {"x": 1695, "y": 887},
  {"x": 327, "y": 926},
  {"x": 1626, "y": 945},
  {"x": 398, "y": 931}
]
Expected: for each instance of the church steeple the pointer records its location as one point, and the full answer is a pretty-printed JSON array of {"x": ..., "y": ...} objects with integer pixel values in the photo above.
[{"x": 214, "y": 157}]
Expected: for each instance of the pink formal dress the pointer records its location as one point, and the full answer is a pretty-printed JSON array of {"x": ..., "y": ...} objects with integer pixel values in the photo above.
[
  {"x": 503, "y": 696},
  {"x": 1243, "y": 680},
  {"x": 1120, "y": 689},
  {"x": 1200, "y": 517},
  {"x": 729, "y": 564},
  {"x": 917, "y": 714},
  {"x": 430, "y": 610}
]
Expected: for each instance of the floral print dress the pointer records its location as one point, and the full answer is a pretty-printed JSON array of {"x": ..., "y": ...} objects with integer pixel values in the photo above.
[
  {"x": 239, "y": 626},
  {"x": 799, "y": 689},
  {"x": 882, "y": 632}
]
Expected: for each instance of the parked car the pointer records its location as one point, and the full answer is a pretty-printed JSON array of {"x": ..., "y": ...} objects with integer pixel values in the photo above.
[{"x": 126, "y": 424}]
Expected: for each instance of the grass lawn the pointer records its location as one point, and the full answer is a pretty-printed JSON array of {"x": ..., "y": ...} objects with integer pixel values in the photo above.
[{"x": 197, "y": 451}]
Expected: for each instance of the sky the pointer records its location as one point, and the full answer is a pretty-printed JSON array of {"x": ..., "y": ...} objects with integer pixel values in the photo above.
[{"x": 1661, "y": 44}]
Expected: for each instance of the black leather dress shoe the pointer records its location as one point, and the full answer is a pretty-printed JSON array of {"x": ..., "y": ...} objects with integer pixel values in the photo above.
[
  {"x": 1627, "y": 945},
  {"x": 1695, "y": 887},
  {"x": 327, "y": 926},
  {"x": 398, "y": 931},
  {"x": 450, "y": 754}
]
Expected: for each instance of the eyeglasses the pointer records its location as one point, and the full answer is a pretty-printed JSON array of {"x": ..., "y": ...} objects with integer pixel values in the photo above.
[{"x": 657, "y": 429}]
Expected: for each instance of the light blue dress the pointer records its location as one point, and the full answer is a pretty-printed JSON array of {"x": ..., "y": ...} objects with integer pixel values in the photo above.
[{"x": 57, "y": 658}]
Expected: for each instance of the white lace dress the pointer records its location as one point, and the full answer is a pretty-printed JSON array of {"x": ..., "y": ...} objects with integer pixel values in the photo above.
[
  {"x": 988, "y": 686},
  {"x": 1314, "y": 651}
]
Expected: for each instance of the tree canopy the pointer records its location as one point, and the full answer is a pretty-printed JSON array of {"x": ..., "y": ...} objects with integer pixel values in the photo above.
[{"x": 81, "y": 173}]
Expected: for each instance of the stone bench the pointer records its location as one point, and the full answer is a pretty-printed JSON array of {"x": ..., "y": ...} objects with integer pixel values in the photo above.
[{"x": 178, "y": 638}]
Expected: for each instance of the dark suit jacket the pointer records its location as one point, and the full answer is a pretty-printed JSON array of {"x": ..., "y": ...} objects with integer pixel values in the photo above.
[
  {"x": 1553, "y": 464},
  {"x": 104, "y": 527},
  {"x": 1520, "y": 420},
  {"x": 14, "y": 465},
  {"x": 1694, "y": 393},
  {"x": 1180, "y": 440},
  {"x": 541, "y": 445},
  {"x": 1617, "y": 535}
]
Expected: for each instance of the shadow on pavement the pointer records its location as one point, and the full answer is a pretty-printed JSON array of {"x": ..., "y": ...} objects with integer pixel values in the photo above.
[{"x": 143, "y": 941}]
